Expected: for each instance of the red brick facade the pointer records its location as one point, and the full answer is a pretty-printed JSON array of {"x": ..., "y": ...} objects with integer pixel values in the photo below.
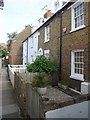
[
  {"x": 79, "y": 39},
  {"x": 73, "y": 41},
  {"x": 16, "y": 50}
]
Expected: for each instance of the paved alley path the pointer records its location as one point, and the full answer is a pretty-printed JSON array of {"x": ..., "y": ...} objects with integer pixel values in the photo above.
[{"x": 8, "y": 103}]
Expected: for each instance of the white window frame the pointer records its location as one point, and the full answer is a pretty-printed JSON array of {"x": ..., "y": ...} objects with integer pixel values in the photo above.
[
  {"x": 47, "y": 33},
  {"x": 46, "y": 53},
  {"x": 73, "y": 74},
  {"x": 73, "y": 18}
]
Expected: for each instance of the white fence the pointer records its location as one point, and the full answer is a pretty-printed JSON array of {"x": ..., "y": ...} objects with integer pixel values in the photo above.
[
  {"x": 0, "y": 63},
  {"x": 15, "y": 68}
]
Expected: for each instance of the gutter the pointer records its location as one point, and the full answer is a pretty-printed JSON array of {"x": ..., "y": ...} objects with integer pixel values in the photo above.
[{"x": 60, "y": 60}]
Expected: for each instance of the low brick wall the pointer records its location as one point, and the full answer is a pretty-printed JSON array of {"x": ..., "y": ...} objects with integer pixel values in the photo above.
[
  {"x": 20, "y": 84},
  {"x": 20, "y": 90},
  {"x": 36, "y": 105}
]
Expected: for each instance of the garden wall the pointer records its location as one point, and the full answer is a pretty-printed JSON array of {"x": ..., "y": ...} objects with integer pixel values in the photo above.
[
  {"x": 15, "y": 68},
  {"x": 20, "y": 82},
  {"x": 36, "y": 105}
]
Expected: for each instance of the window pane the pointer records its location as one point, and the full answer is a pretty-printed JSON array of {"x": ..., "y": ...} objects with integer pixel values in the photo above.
[
  {"x": 78, "y": 62},
  {"x": 79, "y": 15},
  {"x": 80, "y": 71},
  {"x": 47, "y": 33},
  {"x": 75, "y": 22}
]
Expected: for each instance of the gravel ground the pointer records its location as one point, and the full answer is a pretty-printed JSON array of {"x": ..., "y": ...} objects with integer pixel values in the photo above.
[{"x": 54, "y": 94}]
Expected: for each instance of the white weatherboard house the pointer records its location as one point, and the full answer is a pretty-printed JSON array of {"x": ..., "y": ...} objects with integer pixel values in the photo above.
[
  {"x": 30, "y": 48},
  {"x": 25, "y": 52}
]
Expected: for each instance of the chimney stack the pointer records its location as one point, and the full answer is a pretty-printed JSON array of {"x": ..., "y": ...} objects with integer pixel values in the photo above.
[{"x": 48, "y": 14}]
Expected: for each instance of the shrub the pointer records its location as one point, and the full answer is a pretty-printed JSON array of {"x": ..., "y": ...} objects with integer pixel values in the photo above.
[
  {"x": 42, "y": 64},
  {"x": 39, "y": 80}
]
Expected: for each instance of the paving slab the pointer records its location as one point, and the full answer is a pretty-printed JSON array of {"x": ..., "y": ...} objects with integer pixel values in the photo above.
[
  {"x": 8, "y": 102},
  {"x": 54, "y": 94},
  {"x": 9, "y": 110},
  {"x": 79, "y": 110}
]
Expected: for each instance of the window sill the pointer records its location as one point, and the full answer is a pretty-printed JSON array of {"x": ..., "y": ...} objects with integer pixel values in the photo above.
[
  {"x": 76, "y": 78},
  {"x": 75, "y": 29}
]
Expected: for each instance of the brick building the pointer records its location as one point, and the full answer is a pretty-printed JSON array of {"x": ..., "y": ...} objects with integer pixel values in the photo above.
[
  {"x": 75, "y": 44},
  {"x": 16, "y": 51},
  {"x": 75, "y": 63},
  {"x": 65, "y": 38}
]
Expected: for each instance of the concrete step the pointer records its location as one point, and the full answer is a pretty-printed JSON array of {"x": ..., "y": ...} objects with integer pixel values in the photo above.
[{"x": 9, "y": 111}]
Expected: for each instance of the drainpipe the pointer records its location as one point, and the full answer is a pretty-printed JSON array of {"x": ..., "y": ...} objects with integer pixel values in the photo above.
[
  {"x": 27, "y": 51},
  {"x": 60, "y": 62}
]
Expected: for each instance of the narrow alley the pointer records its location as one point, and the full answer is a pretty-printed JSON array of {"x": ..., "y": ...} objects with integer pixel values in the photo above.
[{"x": 8, "y": 102}]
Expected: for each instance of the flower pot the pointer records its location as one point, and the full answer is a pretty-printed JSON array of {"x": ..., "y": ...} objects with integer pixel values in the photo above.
[{"x": 42, "y": 90}]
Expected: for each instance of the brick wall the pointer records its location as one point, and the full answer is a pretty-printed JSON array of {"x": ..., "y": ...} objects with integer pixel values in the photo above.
[
  {"x": 16, "y": 50},
  {"x": 55, "y": 39},
  {"x": 71, "y": 41},
  {"x": 79, "y": 39},
  {"x": 53, "y": 44},
  {"x": 20, "y": 90},
  {"x": 36, "y": 105}
]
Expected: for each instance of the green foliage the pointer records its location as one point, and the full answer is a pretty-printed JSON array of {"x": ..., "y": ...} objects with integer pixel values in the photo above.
[
  {"x": 10, "y": 36},
  {"x": 4, "y": 53},
  {"x": 39, "y": 80},
  {"x": 42, "y": 64}
]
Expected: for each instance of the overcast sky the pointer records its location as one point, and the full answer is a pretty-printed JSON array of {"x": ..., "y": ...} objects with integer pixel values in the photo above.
[{"x": 18, "y": 13}]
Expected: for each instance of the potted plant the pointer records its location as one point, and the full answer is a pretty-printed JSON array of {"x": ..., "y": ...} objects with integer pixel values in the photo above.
[
  {"x": 44, "y": 69},
  {"x": 40, "y": 81}
]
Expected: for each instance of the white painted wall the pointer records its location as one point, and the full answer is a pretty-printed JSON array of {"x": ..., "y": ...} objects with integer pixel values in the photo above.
[
  {"x": 32, "y": 47},
  {"x": 25, "y": 52}
]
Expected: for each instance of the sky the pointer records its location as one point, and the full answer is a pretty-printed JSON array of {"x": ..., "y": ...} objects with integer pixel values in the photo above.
[{"x": 18, "y": 13}]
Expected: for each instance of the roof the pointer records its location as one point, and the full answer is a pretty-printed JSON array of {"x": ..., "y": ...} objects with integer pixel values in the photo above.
[
  {"x": 68, "y": 4},
  {"x": 18, "y": 35}
]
